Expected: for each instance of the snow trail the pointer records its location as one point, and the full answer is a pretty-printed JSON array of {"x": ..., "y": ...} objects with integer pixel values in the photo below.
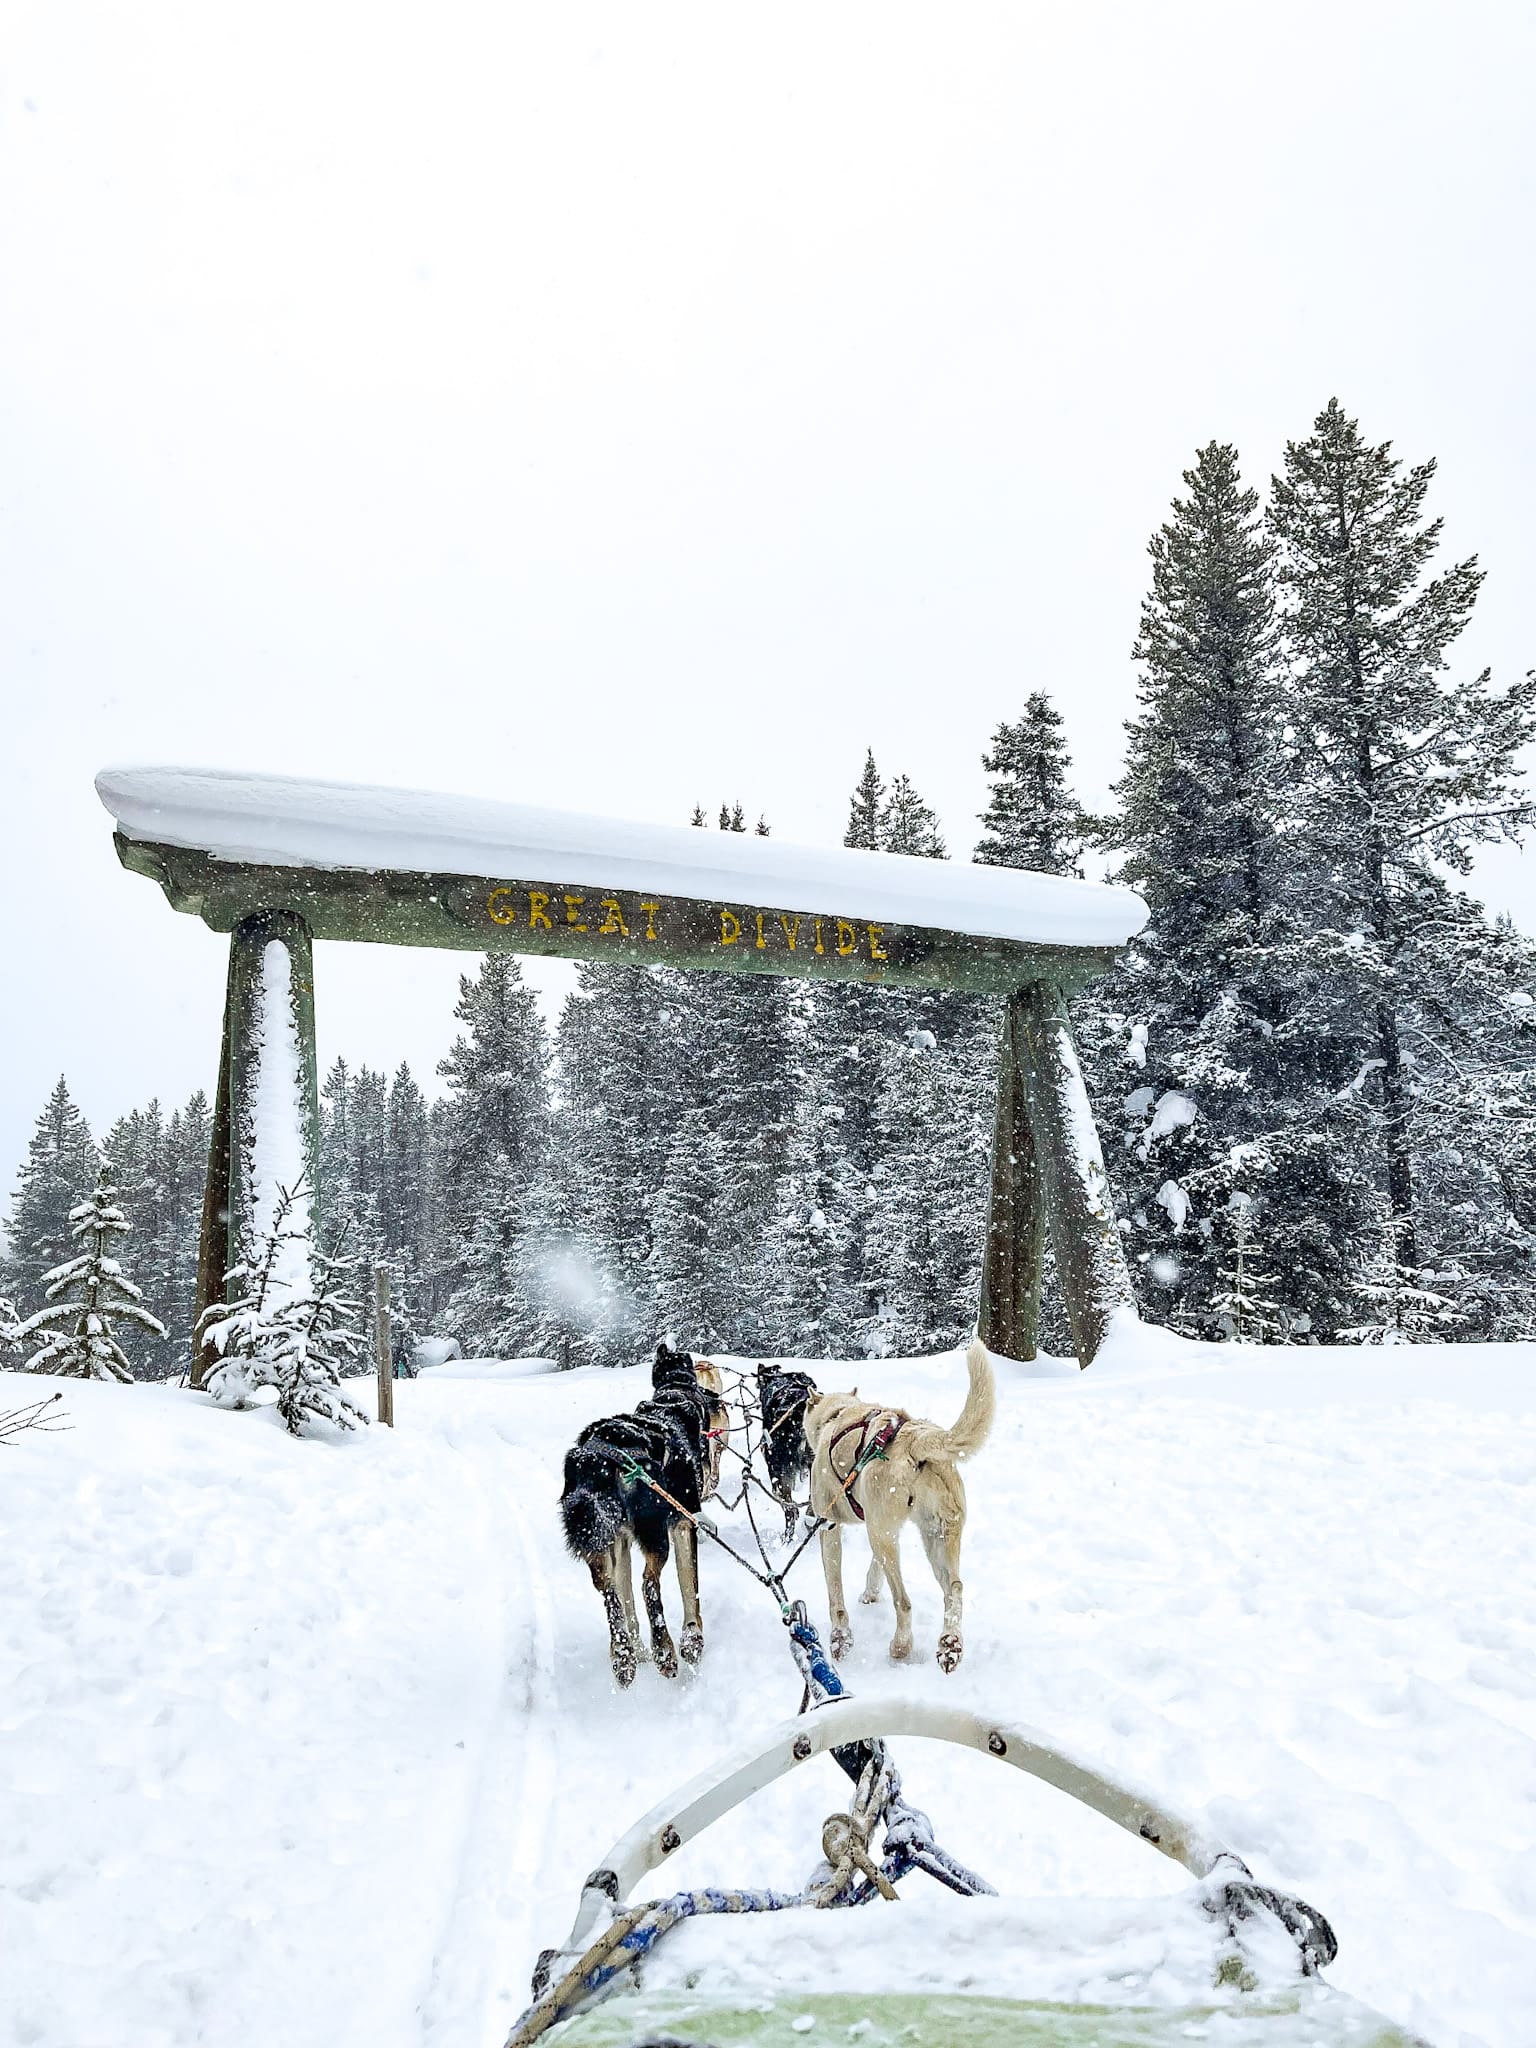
[{"x": 316, "y": 1740}]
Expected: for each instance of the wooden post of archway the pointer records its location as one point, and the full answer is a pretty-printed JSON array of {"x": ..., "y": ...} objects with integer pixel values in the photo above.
[{"x": 277, "y": 863}]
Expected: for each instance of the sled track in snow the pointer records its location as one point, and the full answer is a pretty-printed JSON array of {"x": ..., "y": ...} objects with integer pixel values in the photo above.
[{"x": 487, "y": 1945}]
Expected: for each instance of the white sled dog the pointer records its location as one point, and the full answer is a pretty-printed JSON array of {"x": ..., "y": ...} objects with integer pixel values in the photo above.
[{"x": 913, "y": 1477}]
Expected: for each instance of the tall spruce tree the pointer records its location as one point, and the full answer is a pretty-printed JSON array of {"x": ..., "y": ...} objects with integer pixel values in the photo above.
[
  {"x": 493, "y": 1134},
  {"x": 1212, "y": 1047},
  {"x": 1398, "y": 767},
  {"x": 1032, "y": 819},
  {"x": 59, "y": 1170}
]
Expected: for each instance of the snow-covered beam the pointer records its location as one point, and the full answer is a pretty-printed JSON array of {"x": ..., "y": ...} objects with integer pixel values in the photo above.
[{"x": 403, "y": 867}]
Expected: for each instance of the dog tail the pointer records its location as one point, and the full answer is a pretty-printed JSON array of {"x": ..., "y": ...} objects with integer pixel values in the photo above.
[
  {"x": 973, "y": 1425},
  {"x": 590, "y": 1511}
]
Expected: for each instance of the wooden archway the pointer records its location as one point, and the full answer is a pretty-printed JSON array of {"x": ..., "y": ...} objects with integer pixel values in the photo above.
[{"x": 277, "y": 863}]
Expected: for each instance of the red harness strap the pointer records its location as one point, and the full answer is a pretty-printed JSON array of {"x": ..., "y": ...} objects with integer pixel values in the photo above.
[{"x": 870, "y": 1448}]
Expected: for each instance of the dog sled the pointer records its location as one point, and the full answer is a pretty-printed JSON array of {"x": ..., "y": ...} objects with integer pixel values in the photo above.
[{"x": 853, "y": 1958}]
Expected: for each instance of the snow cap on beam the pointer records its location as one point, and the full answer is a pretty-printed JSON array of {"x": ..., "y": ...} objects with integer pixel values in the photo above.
[{"x": 284, "y": 822}]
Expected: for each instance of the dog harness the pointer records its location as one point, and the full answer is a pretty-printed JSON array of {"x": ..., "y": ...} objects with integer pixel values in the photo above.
[{"x": 870, "y": 1447}]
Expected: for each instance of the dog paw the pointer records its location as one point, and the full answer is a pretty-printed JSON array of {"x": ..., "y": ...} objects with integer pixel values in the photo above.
[
  {"x": 842, "y": 1641},
  {"x": 868, "y": 1599},
  {"x": 622, "y": 1658},
  {"x": 901, "y": 1649},
  {"x": 665, "y": 1655},
  {"x": 950, "y": 1650},
  {"x": 692, "y": 1645}
]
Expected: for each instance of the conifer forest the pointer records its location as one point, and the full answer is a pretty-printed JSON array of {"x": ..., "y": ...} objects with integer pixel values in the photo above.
[{"x": 1314, "y": 1072}]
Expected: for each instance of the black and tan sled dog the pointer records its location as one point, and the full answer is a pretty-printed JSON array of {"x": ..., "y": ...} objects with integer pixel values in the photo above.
[
  {"x": 781, "y": 1397},
  {"x": 675, "y": 1440}
]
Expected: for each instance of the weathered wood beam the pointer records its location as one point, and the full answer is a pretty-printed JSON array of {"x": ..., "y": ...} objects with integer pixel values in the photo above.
[
  {"x": 573, "y": 921},
  {"x": 1014, "y": 1254},
  {"x": 1089, "y": 1257}
]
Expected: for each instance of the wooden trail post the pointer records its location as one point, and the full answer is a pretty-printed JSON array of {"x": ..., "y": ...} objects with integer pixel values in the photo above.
[
  {"x": 266, "y": 1112},
  {"x": 383, "y": 1349},
  {"x": 274, "y": 861}
]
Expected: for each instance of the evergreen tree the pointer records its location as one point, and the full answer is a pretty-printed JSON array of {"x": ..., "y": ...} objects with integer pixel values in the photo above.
[
  {"x": 1032, "y": 819},
  {"x": 494, "y": 1131},
  {"x": 1397, "y": 766},
  {"x": 692, "y": 1225},
  {"x": 61, "y": 1162},
  {"x": 1244, "y": 1312},
  {"x": 405, "y": 1192},
  {"x": 88, "y": 1296},
  {"x": 865, "y": 808},
  {"x": 929, "y": 1181},
  {"x": 289, "y": 1327},
  {"x": 135, "y": 1153},
  {"x": 907, "y": 824},
  {"x": 1212, "y": 1048}
]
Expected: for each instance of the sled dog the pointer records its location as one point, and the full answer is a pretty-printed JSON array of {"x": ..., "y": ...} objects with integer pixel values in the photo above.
[
  {"x": 675, "y": 1439},
  {"x": 912, "y": 1476},
  {"x": 781, "y": 1398}
]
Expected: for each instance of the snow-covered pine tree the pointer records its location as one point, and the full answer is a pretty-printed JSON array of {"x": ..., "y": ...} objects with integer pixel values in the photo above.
[
  {"x": 1210, "y": 1050},
  {"x": 1473, "y": 1039},
  {"x": 10, "y": 1331},
  {"x": 908, "y": 825},
  {"x": 929, "y": 1178},
  {"x": 317, "y": 1336},
  {"x": 61, "y": 1160},
  {"x": 865, "y": 807},
  {"x": 803, "y": 1256},
  {"x": 494, "y": 1131},
  {"x": 135, "y": 1151},
  {"x": 187, "y": 1135},
  {"x": 87, "y": 1297},
  {"x": 1243, "y": 1309},
  {"x": 1032, "y": 819},
  {"x": 1398, "y": 766},
  {"x": 694, "y": 1238},
  {"x": 405, "y": 1192},
  {"x": 289, "y": 1326}
]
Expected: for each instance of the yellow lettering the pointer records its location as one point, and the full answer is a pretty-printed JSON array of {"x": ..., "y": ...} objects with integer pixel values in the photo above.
[
  {"x": 572, "y": 905},
  {"x": 876, "y": 934},
  {"x": 730, "y": 928},
  {"x": 791, "y": 929},
  {"x": 847, "y": 937},
  {"x": 506, "y": 914},
  {"x": 650, "y": 910},
  {"x": 761, "y": 941},
  {"x": 538, "y": 911},
  {"x": 819, "y": 946},
  {"x": 614, "y": 920}
]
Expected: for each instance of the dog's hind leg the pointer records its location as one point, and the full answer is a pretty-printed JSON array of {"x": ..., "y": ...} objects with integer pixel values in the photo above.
[
  {"x": 832, "y": 1567},
  {"x": 662, "y": 1648},
  {"x": 886, "y": 1545},
  {"x": 874, "y": 1580},
  {"x": 621, "y": 1644},
  {"x": 624, "y": 1579},
  {"x": 941, "y": 1540},
  {"x": 686, "y": 1548}
]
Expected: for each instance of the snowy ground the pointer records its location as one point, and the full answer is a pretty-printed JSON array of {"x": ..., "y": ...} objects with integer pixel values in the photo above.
[{"x": 313, "y": 1742}]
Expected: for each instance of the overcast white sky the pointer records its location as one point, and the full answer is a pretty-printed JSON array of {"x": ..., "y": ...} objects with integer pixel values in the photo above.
[{"x": 619, "y": 407}]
